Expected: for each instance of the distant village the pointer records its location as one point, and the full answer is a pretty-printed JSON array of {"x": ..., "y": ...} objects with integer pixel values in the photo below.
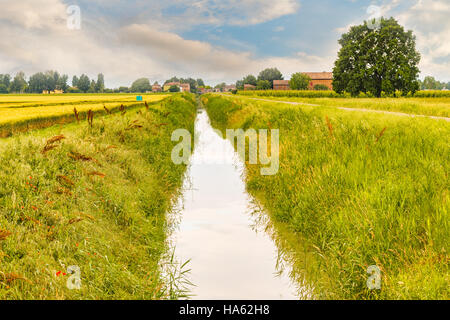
[{"x": 323, "y": 79}]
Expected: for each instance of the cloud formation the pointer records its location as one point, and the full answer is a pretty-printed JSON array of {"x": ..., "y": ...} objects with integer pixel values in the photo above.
[{"x": 130, "y": 42}]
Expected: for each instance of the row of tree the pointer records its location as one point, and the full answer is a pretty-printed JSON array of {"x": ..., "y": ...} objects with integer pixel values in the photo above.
[
  {"x": 430, "y": 83},
  {"x": 50, "y": 81},
  {"x": 299, "y": 80},
  {"x": 264, "y": 81}
]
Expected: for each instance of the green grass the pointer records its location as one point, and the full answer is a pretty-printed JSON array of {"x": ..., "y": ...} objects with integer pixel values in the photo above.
[
  {"x": 354, "y": 195},
  {"x": 113, "y": 226},
  {"x": 439, "y": 107},
  {"x": 333, "y": 94}
]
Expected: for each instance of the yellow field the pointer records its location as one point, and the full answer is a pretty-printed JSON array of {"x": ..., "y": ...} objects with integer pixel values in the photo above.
[{"x": 20, "y": 112}]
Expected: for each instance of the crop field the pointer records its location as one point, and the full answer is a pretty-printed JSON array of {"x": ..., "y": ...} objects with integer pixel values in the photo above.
[
  {"x": 439, "y": 107},
  {"x": 354, "y": 189},
  {"x": 23, "y": 112},
  {"x": 93, "y": 194}
]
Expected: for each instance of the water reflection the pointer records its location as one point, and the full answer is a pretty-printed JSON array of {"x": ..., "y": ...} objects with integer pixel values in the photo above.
[{"x": 231, "y": 257}]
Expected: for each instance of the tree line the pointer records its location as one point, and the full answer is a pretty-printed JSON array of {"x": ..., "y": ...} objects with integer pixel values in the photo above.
[
  {"x": 264, "y": 81},
  {"x": 50, "y": 81}
]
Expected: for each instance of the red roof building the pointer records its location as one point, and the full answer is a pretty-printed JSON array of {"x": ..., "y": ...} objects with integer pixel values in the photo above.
[
  {"x": 281, "y": 85},
  {"x": 325, "y": 78}
]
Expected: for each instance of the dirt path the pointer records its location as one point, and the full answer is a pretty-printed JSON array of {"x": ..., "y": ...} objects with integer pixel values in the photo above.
[{"x": 356, "y": 109}]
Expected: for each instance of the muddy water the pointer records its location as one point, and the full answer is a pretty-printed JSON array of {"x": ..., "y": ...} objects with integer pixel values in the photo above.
[{"x": 229, "y": 257}]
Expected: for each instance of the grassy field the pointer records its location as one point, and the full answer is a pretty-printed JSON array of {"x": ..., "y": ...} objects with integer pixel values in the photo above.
[
  {"x": 439, "y": 107},
  {"x": 94, "y": 197},
  {"x": 21, "y": 113},
  {"x": 354, "y": 189},
  {"x": 333, "y": 94}
]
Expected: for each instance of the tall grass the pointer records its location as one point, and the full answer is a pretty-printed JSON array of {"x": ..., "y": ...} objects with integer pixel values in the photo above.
[
  {"x": 356, "y": 189},
  {"x": 96, "y": 198},
  {"x": 439, "y": 107},
  {"x": 333, "y": 94}
]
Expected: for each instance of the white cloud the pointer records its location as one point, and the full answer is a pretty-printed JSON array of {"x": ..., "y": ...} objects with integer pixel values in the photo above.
[
  {"x": 35, "y": 38},
  {"x": 430, "y": 23},
  {"x": 429, "y": 19}
]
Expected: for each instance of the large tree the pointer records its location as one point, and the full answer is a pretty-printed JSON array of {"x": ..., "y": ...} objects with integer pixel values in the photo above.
[
  {"x": 84, "y": 83},
  {"x": 263, "y": 85},
  {"x": 100, "y": 84},
  {"x": 37, "y": 83},
  {"x": 377, "y": 59},
  {"x": 141, "y": 85},
  {"x": 270, "y": 74},
  {"x": 250, "y": 79},
  {"x": 299, "y": 81},
  {"x": 19, "y": 84}
]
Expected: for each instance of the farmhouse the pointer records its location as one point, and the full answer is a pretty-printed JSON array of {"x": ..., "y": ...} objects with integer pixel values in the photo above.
[
  {"x": 280, "y": 84},
  {"x": 56, "y": 91},
  {"x": 249, "y": 87},
  {"x": 325, "y": 78},
  {"x": 156, "y": 87},
  {"x": 185, "y": 87},
  {"x": 169, "y": 84},
  {"x": 228, "y": 88}
]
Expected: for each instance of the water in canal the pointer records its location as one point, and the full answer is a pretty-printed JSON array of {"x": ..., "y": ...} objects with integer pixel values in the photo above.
[{"x": 229, "y": 257}]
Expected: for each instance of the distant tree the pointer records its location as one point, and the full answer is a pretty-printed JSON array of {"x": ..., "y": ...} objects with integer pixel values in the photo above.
[
  {"x": 321, "y": 87},
  {"x": 200, "y": 83},
  {"x": 429, "y": 83},
  {"x": 447, "y": 85},
  {"x": 220, "y": 86},
  {"x": 92, "y": 87},
  {"x": 377, "y": 60},
  {"x": 19, "y": 84},
  {"x": 173, "y": 79},
  {"x": 263, "y": 85},
  {"x": 37, "y": 83},
  {"x": 123, "y": 90},
  {"x": 75, "y": 81},
  {"x": 240, "y": 85},
  {"x": 174, "y": 88},
  {"x": 141, "y": 85},
  {"x": 5, "y": 79},
  {"x": 84, "y": 83},
  {"x": 3, "y": 88},
  {"x": 299, "y": 81},
  {"x": 62, "y": 82},
  {"x": 100, "y": 84},
  {"x": 270, "y": 74},
  {"x": 250, "y": 79},
  {"x": 192, "y": 83}
]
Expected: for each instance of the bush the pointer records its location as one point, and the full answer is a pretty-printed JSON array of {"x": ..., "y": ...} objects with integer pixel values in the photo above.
[{"x": 321, "y": 87}]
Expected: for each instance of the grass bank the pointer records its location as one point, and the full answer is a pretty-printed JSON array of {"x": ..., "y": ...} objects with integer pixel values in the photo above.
[
  {"x": 94, "y": 197},
  {"x": 354, "y": 190}
]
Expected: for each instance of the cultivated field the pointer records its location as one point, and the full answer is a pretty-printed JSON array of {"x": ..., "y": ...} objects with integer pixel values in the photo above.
[
  {"x": 23, "y": 112},
  {"x": 354, "y": 189},
  {"x": 94, "y": 195},
  {"x": 439, "y": 106}
]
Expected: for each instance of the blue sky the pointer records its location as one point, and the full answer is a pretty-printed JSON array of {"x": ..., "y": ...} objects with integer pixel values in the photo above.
[{"x": 216, "y": 40}]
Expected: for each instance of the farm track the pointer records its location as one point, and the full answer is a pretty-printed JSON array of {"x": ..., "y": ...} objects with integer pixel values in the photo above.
[{"x": 402, "y": 114}]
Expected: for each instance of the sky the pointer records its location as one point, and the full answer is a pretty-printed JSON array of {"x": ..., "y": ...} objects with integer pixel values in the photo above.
[{"x": 216, "y": 40}]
